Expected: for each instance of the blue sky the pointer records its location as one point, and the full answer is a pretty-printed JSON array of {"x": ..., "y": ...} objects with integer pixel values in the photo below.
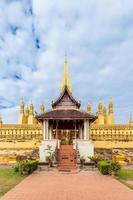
[{"x": 98, "y": 37}]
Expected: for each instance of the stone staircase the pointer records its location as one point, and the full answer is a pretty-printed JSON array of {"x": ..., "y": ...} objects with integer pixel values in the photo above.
[{"x": 66, "y": 158}]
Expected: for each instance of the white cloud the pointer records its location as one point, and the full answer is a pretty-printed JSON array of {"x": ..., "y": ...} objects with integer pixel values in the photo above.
[{"x": 98, "y": 37}]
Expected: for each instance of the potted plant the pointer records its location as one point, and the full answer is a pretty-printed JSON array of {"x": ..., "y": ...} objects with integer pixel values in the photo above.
[
  {"x": 82, "y": 161},
  {"x": 49, "y": 159},
  {"x": 50, "y": 156},
  {"x": 93, "y": 159}
]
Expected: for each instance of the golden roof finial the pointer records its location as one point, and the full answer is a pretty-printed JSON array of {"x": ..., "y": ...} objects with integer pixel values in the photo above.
[
  {"x": 110, "y": 106},
  {"x": 42, "y": 108},
  {"x": 89, "y": 108},
  {"x": 27, "y": 111},
  {"x": 104, "y": 110},
  {"x": 111, "y": 102},
  {"x": 130, "y": 120},
  {"x": 1, "y": 120},
  {"x": 66, "y": 81},
  {"x": 31, "y": 108},
  {"x": 65, "y": 57},
  {"x": 22, "y": 106},
  {"x": 100, "y": 107}
]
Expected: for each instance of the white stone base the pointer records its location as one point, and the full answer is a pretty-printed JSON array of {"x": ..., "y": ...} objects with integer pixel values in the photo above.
[
  {"x": 85, "y": 148},
  {"x": 43, "y": 149}
]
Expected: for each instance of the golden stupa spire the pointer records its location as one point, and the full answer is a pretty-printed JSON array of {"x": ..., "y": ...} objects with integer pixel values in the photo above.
[
  {"x": 104, "y": 110},
  {"x": 22, "y": 106},
  {"x": 110, "y": 106},
  {"x": 66, "y": 81},
  {"x": 100, "y": 108},
  {"x": 1, "y": 120},
  {"x": 130, "y": 120},
  {"x": 89, "y": 108},
  {"x": 42, "y": 108},
  {"x": 31, "y": 109}
]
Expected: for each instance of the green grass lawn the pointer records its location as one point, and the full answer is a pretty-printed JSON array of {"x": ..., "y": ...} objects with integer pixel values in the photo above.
[
  {"x": 8, "y": 179},
  {"x": 125, "y": 175}
]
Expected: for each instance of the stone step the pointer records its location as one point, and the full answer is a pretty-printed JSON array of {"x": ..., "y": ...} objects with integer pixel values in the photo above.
[
  {"x": 68, "y": 152},
  {"x": 66, "y": 158},
  {"x": 67, "y": 167},
  {"x": 68, "y": 163}
]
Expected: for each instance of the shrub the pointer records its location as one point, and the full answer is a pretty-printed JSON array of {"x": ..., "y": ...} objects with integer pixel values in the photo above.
[
  {"x": 26, "y": 167},
  {"x": 115, "y": 167},
  {"x": 104, "y": 167},
  {"x": 16, "y": 168}
]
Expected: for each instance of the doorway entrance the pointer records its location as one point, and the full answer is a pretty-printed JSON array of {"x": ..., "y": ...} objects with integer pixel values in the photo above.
[
  {"x": 67, "y": 136},
  {"x": 66, "y": 130}
]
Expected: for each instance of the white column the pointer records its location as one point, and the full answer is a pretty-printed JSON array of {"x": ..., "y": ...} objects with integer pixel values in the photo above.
[
  {"x": 85, "y": 130},
  {"x": 81, "y": 132},
  {"x": 56, "y": 129},
  {"x": 47, "y": 127}
]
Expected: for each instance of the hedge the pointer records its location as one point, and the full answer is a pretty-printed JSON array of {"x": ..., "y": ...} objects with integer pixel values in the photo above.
[
  {"x": 26, "y": 167},
  {"x": 104, "y": 167}
]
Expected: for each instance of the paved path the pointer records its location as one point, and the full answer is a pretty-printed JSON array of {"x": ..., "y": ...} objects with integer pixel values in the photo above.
[{"x": 58, "y": 186}]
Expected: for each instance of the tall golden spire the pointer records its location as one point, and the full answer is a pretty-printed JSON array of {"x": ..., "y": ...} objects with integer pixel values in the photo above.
[
  {"x": 130, "y": 120},
  {"x": 89, "y": 108},
  {"x": 42, "y": 109},
  {"x": 110, "y": 106},
  {"x": 66, "y": 81},
  {"x": 22, "y": 106},
  {"x": 31, "y": 109},
  {"x": 100, "y": 108},
  {"x": 104, "y": 111},
  {"x": 1, "y": 122}
]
